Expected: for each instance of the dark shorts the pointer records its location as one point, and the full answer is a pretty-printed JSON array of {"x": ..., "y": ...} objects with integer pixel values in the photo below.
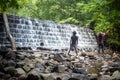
[{"x": 73, "y": 46}]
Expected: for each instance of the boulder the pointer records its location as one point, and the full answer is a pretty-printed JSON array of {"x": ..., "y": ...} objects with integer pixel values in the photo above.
[
  {"x": 20, "y": 56},
  {"x": 61, "y": 68},
  {"x": 40, "y": 66},
  {"x": 19, "y": 71},
  {"x": 10, "y": 55},
  {"x": 46, "y": 76},
  {"x": 11, "y": 63},
  {"x": 20, "y": 64},
  {"x": 26, "y": 68},
  {"x": 116, "y": 75},
  {"x": 34, "y": 74},
  {"x": 59, "y": 58}
]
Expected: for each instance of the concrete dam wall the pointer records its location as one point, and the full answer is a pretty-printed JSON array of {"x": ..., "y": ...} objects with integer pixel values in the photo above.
[{"x": 36, "y": 34}]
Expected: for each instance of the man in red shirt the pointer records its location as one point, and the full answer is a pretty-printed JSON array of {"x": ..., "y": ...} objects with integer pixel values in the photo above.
[{"x": 101, "y": 42}]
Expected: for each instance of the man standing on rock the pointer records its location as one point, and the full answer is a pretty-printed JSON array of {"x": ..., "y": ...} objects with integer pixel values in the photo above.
[
  {"x": 73, "y": 43},
  {"x": 101, "y": 42}
]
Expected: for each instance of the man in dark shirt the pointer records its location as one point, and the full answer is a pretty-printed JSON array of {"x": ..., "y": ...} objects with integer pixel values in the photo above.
[{"x": 73, "y": 43}]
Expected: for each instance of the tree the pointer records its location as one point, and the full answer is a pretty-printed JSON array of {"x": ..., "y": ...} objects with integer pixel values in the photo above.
[
  {"x": 4, "y": 6},
  {"x": 105, "y": 14}
]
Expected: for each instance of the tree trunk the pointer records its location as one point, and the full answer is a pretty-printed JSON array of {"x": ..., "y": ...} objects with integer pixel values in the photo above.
[{"x": 8, "y": 32}]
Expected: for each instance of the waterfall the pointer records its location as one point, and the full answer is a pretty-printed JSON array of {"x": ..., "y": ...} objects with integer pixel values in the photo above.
[{"x": 35, "y": 33}]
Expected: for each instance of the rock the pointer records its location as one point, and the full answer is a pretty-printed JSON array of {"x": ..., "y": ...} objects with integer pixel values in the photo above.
[
  {"x": 1, "y": 74},
  {"x": 61, "y": 68},
  {"x": 51, "y": 56},
  {"x": 61, "y": 76},
  {"x": 34, "y": 74},
  {"x": 37, "y": 54},
  {"x": 20, "y": 64},
  {"x": 32, "y": 66},
  {"x": 6, "y": 76},
  {"x": 83, "y": 54},
  {"x": 1, "y": 57},
  {"x": 92, "y": 70},
  {"x": 10, "y": 55},
  {"x": 22, "y": 77},
  {"x": 9, "y": 70},
  {"x": 105, "y": 77},
  {"x": 116, "y": 58},
  {"x": 79, "y": 70},
  {"x": 40, "y": 66},
  {"x": 4, "y": 63},
  {"x": 20, "y": 56},
  {"x": 59, "y": 58},
  {"x": 33, "y": 77},
  {"x": 31, "y": 57},
  {"x": 13, "y": 78},
  {"x": 79, "y": 76},
  {"x": 27, "y": 61},
  {"x": 26, "y": 68},
  {"x": 19, "y": 71},
  {"x": 73, "y": 79},
  {"x": 46, "y": 76},
  {"x": 78, "y": 65},
  {"x": 116, "y": 75},
  {"x": 37, "y": 60},
  {"x": 75, "y": 61},
  {"x": 11, "y": 63}
]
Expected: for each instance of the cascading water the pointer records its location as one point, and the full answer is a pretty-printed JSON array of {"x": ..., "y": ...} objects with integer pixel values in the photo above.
[{"x": 36, "y": 33}]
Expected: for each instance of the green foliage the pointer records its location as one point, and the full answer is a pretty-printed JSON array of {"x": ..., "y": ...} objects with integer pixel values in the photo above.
[
  {"x": 5, "y": 5},
  {"x": 106, "y": 14}
]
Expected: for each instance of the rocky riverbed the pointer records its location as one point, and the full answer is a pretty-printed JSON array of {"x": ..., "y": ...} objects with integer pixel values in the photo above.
[{"x": 57, "y": 65}]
